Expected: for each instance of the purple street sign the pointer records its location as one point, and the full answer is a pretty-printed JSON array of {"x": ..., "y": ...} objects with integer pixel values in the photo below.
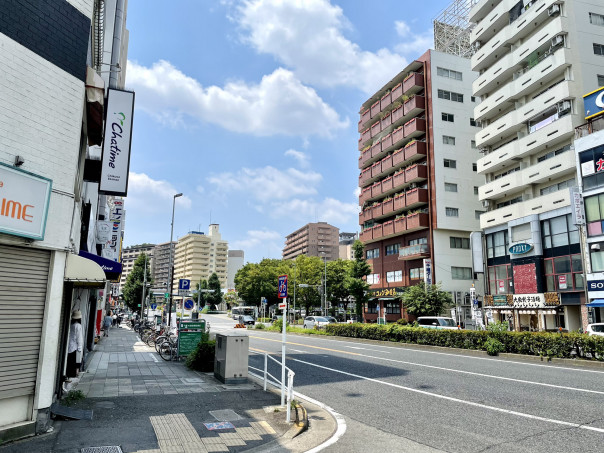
[{"x": 282, "y": 286}]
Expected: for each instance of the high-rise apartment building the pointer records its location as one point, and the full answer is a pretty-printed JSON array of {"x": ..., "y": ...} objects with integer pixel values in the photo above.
[
  {"x": 418, "y": 181},
  {"x": 130, "y": 255},
  {"x": 161, "y": 264},
  {"x": 197, "y": 256},
  {"x": 345, "y": 246},
  {"x": 535, "y": 60},
  {"x": 313, "y": 239},
  {"x": 234, "y": 263}
]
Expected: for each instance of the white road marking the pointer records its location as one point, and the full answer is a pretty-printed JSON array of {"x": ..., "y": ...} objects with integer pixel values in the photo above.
[
  {"x": 456, "y": 400},
  {"x": 153, "y": 357},
  {"x": 297, "y": 350},
  {"x": 367, "y": 349},
  {"x": 341, "y": 423}
]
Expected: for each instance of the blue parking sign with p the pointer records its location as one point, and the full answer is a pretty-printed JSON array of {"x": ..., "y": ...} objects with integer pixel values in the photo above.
[
  {"x": 282, "y": 286},
  {"x": 184, "y": 284}
]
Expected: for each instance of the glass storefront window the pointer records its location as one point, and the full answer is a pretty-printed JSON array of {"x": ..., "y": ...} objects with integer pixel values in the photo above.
[
  {"x": 497, "y": 244},
  {"x": 559, "y": 231},
  {"x": 500, "y": 279},
  {"x": 564, "y": 273}
]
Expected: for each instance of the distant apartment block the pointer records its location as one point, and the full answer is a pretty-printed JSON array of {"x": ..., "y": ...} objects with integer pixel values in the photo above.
[
  {"x": 535, "y": 61},
  {"x": 198, "y": 256},
  {"x": 345, "y": 246},
  {"x": 161, "y": 265},
  {"x": 234, "y": 263},
  {"x": 419, "y": 183},
  {"x": 130, "y": 255},
  {"x": 313, "y": 239}
]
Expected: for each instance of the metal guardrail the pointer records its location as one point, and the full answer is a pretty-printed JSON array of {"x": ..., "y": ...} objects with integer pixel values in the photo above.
[{"x": 289, "y": 389}]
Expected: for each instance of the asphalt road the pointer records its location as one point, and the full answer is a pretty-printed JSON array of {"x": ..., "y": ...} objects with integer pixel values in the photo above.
[{"x": 400, "y": 398}]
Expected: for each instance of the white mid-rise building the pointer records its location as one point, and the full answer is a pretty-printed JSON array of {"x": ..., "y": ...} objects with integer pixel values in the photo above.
[{"x": 535, "y": 59}]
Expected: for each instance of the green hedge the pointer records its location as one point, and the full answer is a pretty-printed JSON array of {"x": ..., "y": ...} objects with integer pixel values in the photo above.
[{"x": 532, "y": 343}]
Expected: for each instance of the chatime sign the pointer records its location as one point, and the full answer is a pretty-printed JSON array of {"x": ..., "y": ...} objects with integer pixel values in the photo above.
[{"x": 24, "y": 200}]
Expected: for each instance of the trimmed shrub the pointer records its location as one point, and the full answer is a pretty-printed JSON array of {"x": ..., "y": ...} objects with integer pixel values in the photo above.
[
  {"x": 202, "y": 358},
  {"x": 493, "y": 346},
  {"x": 259, "y": 326}
]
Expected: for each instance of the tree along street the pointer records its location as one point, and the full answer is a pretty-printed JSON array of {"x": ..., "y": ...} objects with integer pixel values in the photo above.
[{"x": 407, "y": 398}]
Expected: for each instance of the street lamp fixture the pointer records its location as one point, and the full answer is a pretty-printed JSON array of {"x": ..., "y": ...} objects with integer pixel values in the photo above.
[{"x": 171, "y": 277}]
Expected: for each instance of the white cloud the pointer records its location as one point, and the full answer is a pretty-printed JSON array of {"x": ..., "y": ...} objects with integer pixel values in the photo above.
[
  {"x": 279, "y": 104},
  {"x": 254, "y": 238},
  {"x": 328, "y": 210},
  {"x": 302, "y": 158},
  {"x": 268, "y": 183},
  {"x": 147, "y": 195},
  {"x": 414, "y": 44},
  {"x": 307, "y": 36}
]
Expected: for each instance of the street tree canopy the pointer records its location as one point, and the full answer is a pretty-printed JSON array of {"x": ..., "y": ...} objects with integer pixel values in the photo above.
[
  {"x": 133, "y": 288},
  {"x": 426, "y": 300},
  {"x": 356, "y": 282},
  {"x": 215, "y": 297}
]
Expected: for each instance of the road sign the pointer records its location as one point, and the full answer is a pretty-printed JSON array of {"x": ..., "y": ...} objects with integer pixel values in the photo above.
[
  {"x": 282, "y": 286},
  {"x": 282, "y": 306},
  {"x": 189, "y": 304},
  {"x": 184, "y": 284},
  {"x": 263, "y": 300},
  {"x": 167, "y": 295},
  {"x": 153, "y": 306}
]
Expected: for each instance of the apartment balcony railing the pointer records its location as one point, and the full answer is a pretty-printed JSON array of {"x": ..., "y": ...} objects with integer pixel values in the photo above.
[
  {"x": 414, "y": 106},
  {"x": 415, "y": 128},
  {"x": 385, "y": 101},
  {"x": 417, "y": 221},
  {"x": 376, "y": 128},
  {"x": 386, "y": 120},
  {"x": 492, "y": 22},
  {"x": 413, "y": 83},
  {"x": 416, "y": 173},
  {"x": 416, "y": 197},
  {"x": 376, "y": 189},
  {"x": 415, "y": 151},
  {"x": 366, "y": 235},
  {"x": 586, "y": 129},
  {"x": 413, "y": 252},
  {"x": 480, "y": 8}
]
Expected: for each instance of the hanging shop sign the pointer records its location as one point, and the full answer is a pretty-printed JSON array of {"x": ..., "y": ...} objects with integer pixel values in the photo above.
[
  {"x": 594, "y": 103},
  {"x": 540, "y": 300},
  {"x": 428, "y": 271},
  {"x": 115, "y": 162},
  {"x": 521, "y": 248},
  {"x": 24, "y": 201},
  {"x": 386, "y": 292}
]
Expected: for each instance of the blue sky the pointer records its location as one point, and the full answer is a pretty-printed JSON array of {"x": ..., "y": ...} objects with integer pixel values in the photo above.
[{"x": 250, "y": 109}]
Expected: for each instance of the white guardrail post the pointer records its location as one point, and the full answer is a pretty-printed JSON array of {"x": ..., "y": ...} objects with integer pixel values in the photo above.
[
  {"x": 290, "y": 387},
  {"x": 265, "y": 369}
]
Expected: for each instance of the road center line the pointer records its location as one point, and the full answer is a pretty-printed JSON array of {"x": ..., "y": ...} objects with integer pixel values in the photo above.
[
  {"x": 471, "y": 373},
  {"x": 456, "y": 400}
]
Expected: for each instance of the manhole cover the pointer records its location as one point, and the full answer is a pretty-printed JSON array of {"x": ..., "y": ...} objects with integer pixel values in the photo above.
[
  {"x": 112, "y": 449},
  {"x": 105, "y": 404},
  {"x": 225, "y": 415}
]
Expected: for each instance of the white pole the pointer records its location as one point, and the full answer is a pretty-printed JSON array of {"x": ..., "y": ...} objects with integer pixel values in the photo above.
[
  {"x": 265, "y": 369},
  {"x": 283, "y": 340}
]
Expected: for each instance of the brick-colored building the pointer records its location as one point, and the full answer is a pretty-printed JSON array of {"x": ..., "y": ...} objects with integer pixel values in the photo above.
[{"x": 313, "y": 239}]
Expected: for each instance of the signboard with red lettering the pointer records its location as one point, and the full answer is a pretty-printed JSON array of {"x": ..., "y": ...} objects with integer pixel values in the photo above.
[
  {"x": 562, "y": 281},
  {"x": 24, "y": 200}
]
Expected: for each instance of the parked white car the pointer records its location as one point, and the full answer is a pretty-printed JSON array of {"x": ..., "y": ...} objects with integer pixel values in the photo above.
[
  {"x": 595, "y": 329},
  {"x": 311, "y": 321},
  {"x": 437, "y": 322}
]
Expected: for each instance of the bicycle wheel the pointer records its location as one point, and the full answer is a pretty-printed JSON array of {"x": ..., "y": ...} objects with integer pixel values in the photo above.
[
  {"x": 158, "y": 342},
  {"x": 151, "y": 339},
  {"x": 165, "y": 350}
]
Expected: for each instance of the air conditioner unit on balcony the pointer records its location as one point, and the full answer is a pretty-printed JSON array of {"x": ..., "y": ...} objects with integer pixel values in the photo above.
[
  {"x": 477, "y": 45},
  {"x": 486, "y": 203},
  {"x": 564, "y": 107},
  {"x": 557, "y": 40},
  {"x": 553, "y": 10}
]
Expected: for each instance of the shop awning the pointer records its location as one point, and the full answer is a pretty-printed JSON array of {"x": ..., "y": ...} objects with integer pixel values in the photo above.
[
  {"x": 596, "y": 303},
  {"x": 112, "y": 269},
  {"x": 84, "y": 272}
]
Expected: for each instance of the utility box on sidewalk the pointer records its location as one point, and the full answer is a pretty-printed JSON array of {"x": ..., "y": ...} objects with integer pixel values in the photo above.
[{"x": 231, "y": 357}]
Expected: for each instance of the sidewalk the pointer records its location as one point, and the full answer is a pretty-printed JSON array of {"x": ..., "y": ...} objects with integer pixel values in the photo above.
[{"x": 141, "y": 403}]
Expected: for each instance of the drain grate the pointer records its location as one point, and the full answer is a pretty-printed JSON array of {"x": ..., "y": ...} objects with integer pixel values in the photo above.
[{"x": 112, "y": 449}]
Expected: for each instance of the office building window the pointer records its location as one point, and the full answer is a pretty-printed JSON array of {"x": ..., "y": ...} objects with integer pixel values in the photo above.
[
  {"x": 475, "y": 190},
  {"x": 443, "y": 72},
  {"x": 461, "y": 273},
  {"x": 512, "y": 201},
  {"x": 560, "y": 231},
  {"x": 588, "y": 159},
  {"x": 474, "y": 167},
  {"x": 594, "y": 212},
  {"x": 373, "y": 279},
  {"x": 371, "y": 307},
  {"x": 392, "y": 249},
  {"x": 505, "y": 173},
  {"x": 459, "y": 243},
  {"x": 450, "y": 163},
  {"x": 393, "y": 308},
  {"x": 600, "y": 80},
  {"x": 418, "y": 241},
  {"x": 416, "y": 273},
  {"x": 448, "y": 117},
  {"x": 450, "y": 187},
  {"x": 596, "y": 19},
  {"x": 450, "y": 96},
  {"x": 448, "y": 140},
  {"x": 473, "y": 144},
  {"x": 500, "y": 279},
  {"x": 497, "y": 244},
  {"x": 551, "y": 154},
  {"x": 598, "y": 49},
  {"x": 558, "y": 186},
  {"x": 373, "y": 253},
  {"x": 475, "y": 123},
  {"x": 394, "y": 276},
  {"x": 473, "y": 99},
  {"x": 564, "y": 273},
  {"x": 452, "y": 212}
]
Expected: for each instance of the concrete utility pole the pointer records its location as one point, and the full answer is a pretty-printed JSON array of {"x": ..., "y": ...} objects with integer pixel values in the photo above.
[{"x": 171, "y": 268}]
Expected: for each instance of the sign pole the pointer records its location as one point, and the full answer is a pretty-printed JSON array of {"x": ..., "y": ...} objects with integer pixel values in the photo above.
[{"x": 283, "y": 305}]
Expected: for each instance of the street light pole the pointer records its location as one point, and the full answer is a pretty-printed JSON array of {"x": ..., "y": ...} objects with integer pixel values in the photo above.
[
  {"x": 325, "y": 287},
  {"x": 144, "y": 287},
  {"x": 171, "y": 269}
]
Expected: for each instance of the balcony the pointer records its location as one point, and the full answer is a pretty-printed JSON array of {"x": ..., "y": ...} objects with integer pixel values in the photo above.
[
  {"x": 416, "y": 197},
  {"x": 415, "y": 128},
  {"x": 414, "y": 252},
  {"x": 397, "y": 114},
  {"x": 397, "y": 92},
  {"x": 415, "y": 151},
  {"x": 385, "y": 101},
  {"x": 536, "y": 205},
  {"x": 366, "y": 235},
  {"x": 400, "y": 225},
  {"x": 398, "y": 180},
  {"x": 377, "y": 231},
  {"x": 544, "y": 73},
  {"x": 388, "y": 229},
  {"x": 481, "y": 8},
  {"x": 417, "y": 221},
  {"x": 364, "y": 177},
  {"x": 386, "y": 120},
  {"x": 365, "y": 135},
  {"x": 375, "y": 109},
  {"x": 491, "y": 25},
  {"x": 515, "y": 121},
  {"x": 399, "y": 202},
  {"x": 550, "y": 135},
  {"x": 387, "y": 185},
  {"x": 376, "y": 128},
  {"x": 413, "y": 84},
  {"x": 414, "y": 106},
  {"x": 376, "y": 190},
  {"x": 364, "y": 216},
  {"x": 365, "y": 116},
  {"x": 398, "y": 157},
  {"x": 364, "y": 158},
  {"x": 386, "y": 142},
  {"x": 498, "y": 45},
  {"x": 388, "y": 207},
  {"x": 416, "y": 173},
  {"x": 376, "y": 149},
  {"x": 376, "y": 211},
  {"x": 376, "y": 169}
]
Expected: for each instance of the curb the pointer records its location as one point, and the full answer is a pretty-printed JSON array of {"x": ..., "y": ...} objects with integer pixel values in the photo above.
[{"x": 301, "y": 423}]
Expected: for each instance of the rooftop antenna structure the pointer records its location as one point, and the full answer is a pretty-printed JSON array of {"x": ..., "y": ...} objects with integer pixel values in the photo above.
[{"x": 452, "y": 29}]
